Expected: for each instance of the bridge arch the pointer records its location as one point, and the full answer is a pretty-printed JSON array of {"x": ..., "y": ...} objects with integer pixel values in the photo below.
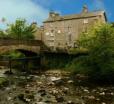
[
  {"x": 35, "y": 46},
  {"x": 27, "y": 53}
]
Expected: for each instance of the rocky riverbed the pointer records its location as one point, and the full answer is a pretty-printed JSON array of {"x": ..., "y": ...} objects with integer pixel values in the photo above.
[{"x": 53, "y": 87}]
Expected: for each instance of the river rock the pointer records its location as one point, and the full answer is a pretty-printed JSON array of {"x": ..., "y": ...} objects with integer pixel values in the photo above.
[
  {"x": 70, "y": 102},
  {"x": 87, "y": 91},
  {"x": 14, "y": 87},
  {"x": 27, "y": 91},
  {"x": 30, "y": 96},
  {"x": 21, "y": 97},
  {"x": 65, "y": 90},
  {"x": 42, "y": 92},
  {"x": 56, "y": 80},
  {"x": 22, "y": 77},
  {"x": 50, "y": 83},
  {"x": 53, "y": 79},
  {"x": 59, "y": 98},
  {"x": 103, "y": 103},
  {"x": 54, "y": 92},
  {"x": 40, "y": 103},
  {"x": 112, "y": 93},
  {"x": 91, "y": 97},
  {"x": 70, "y": 81},
  {"x": 9, "y": 98},
  {"x": 43, "y": 77},
  {"x": 8, "y": 88},
  {"x": 102, "y": 93},
  {"x": 39, "y": 83},
  {"x": 27, "y": 100},
  {"x": 8, "y": 72}
]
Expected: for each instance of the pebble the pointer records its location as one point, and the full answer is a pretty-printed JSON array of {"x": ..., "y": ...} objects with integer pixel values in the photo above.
[
  {"x": 102, "y": 93},
  {"x": 85, "y": 90},
  {"x": 70, "y": 81},
  {"x": 59, "y": 98},
  {"x": 65, "y": 89},
  {"x": 50, "y": 83},
  {"x": 91, "y": 97},
  {"x": 8, "y": 88},
  {"x": 112, "y": 93},
  {"x": 55, "y": 78},
  {"x": 27, "y": 100},
  {"x": 41, "y": 103},
  {"x": 9, "y": 98},
  {"x": 45, "y": 91},
  {"x": 54, "y": 92},
  {"x": 42, "y": 92},
  {"x": 70, "y": 102},
  {"x": 103, "y": 103}
]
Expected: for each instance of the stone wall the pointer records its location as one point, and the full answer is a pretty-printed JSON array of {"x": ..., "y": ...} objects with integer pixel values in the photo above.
[
  {"x": 13, "y": 44},
  {"x": 35, "y": 49},
  {"x": 63, "y": 33}
]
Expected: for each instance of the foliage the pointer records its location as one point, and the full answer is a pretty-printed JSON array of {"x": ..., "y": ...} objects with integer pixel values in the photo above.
[
  {"x": 3, "y": 81},
  {"x": 3, "y": 34},
  {"x": 21, "y": 30},
  {"x": 14, "y": 54},
  {"x": 78, "y": 51},
  {"x": 99, "y": 63},
  {"x": 56, "y": 60}
]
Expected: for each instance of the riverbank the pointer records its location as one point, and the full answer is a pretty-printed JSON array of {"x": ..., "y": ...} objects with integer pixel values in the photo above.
[{"x": 53, "y": 87}]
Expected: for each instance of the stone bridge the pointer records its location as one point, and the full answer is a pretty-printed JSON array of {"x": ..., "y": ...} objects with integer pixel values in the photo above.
[{"x": 35, "y": 46}]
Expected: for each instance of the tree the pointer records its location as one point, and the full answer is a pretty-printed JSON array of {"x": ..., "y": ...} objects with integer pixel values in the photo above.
[
  {"x": 2, "y": 34},
  {"x": 21, "y": 30},
  {"x": 99, "y": 63}
]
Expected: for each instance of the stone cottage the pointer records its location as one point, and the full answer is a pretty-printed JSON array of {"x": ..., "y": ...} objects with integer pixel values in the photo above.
[{"x": 63, "y": 31}]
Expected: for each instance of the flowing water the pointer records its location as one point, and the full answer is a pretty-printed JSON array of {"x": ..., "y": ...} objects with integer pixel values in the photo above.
[{"x": 53, "y": 87}]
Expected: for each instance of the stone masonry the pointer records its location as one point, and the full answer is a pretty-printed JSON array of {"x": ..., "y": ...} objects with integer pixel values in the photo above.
[{"x": 63, "y": 31}]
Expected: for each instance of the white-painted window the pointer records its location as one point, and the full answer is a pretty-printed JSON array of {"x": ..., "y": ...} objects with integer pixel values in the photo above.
[
  {"x": 85, "y": 21},
  {"x": 51, "y": 39},
  {"x": 47, "y": 33},
  {"x": 51, "y": 34},
  {"x": 51, "y": 44},
  {"x": 59, "y": 31}
]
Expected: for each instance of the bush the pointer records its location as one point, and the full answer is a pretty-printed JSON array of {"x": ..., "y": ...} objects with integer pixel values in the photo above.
[
  {"x": 99, "y": 63},
  {"x": 3, "y": 82}
]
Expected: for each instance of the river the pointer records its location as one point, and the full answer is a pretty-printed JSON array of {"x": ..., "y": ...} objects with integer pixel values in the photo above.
[{"x": 52, "y": 87}]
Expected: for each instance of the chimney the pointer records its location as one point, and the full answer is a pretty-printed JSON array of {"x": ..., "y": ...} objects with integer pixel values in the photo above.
[
  {"x": 85, "y": 9},
  {"x": 34, "y": 24},
  {"x": 53, "y": 14}
]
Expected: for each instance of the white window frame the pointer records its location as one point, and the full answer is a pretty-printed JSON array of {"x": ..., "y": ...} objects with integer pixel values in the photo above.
[{"x": 85, "y": 21}]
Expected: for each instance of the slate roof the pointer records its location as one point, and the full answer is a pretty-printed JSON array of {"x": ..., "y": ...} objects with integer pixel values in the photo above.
[{"x": 75, "y": 16}]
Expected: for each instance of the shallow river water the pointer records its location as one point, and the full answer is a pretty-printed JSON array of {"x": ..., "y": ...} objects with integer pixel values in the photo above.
[{"x": 52, "y": 87}]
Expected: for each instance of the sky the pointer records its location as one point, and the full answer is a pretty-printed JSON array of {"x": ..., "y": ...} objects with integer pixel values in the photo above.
[{"x": 37, "y": 10}]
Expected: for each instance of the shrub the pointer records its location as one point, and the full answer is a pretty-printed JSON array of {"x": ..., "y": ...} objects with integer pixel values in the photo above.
[{"x": 99, "y": 63}]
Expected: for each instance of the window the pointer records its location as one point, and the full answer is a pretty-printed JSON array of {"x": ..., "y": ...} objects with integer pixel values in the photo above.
[
  {"x": 51, "y": 34},
  {"x": 85, "y": 21},
  {"x": 69, "y": 38},
  {"x": 52, "y": 31},
  {"x": 51, "y": 44},
  {"x": 59, "y": 31},
  {"x": 47, "y": 33},
  {"x": 51, "y": 39},
  {"x": 96, "y": 20}
]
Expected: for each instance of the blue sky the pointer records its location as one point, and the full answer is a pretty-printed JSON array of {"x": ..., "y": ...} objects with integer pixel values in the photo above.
[{"x": 37, "y": 10}]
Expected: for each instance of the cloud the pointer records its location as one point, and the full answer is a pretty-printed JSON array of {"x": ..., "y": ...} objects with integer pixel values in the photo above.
[{"x": 28, "y": 9}]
